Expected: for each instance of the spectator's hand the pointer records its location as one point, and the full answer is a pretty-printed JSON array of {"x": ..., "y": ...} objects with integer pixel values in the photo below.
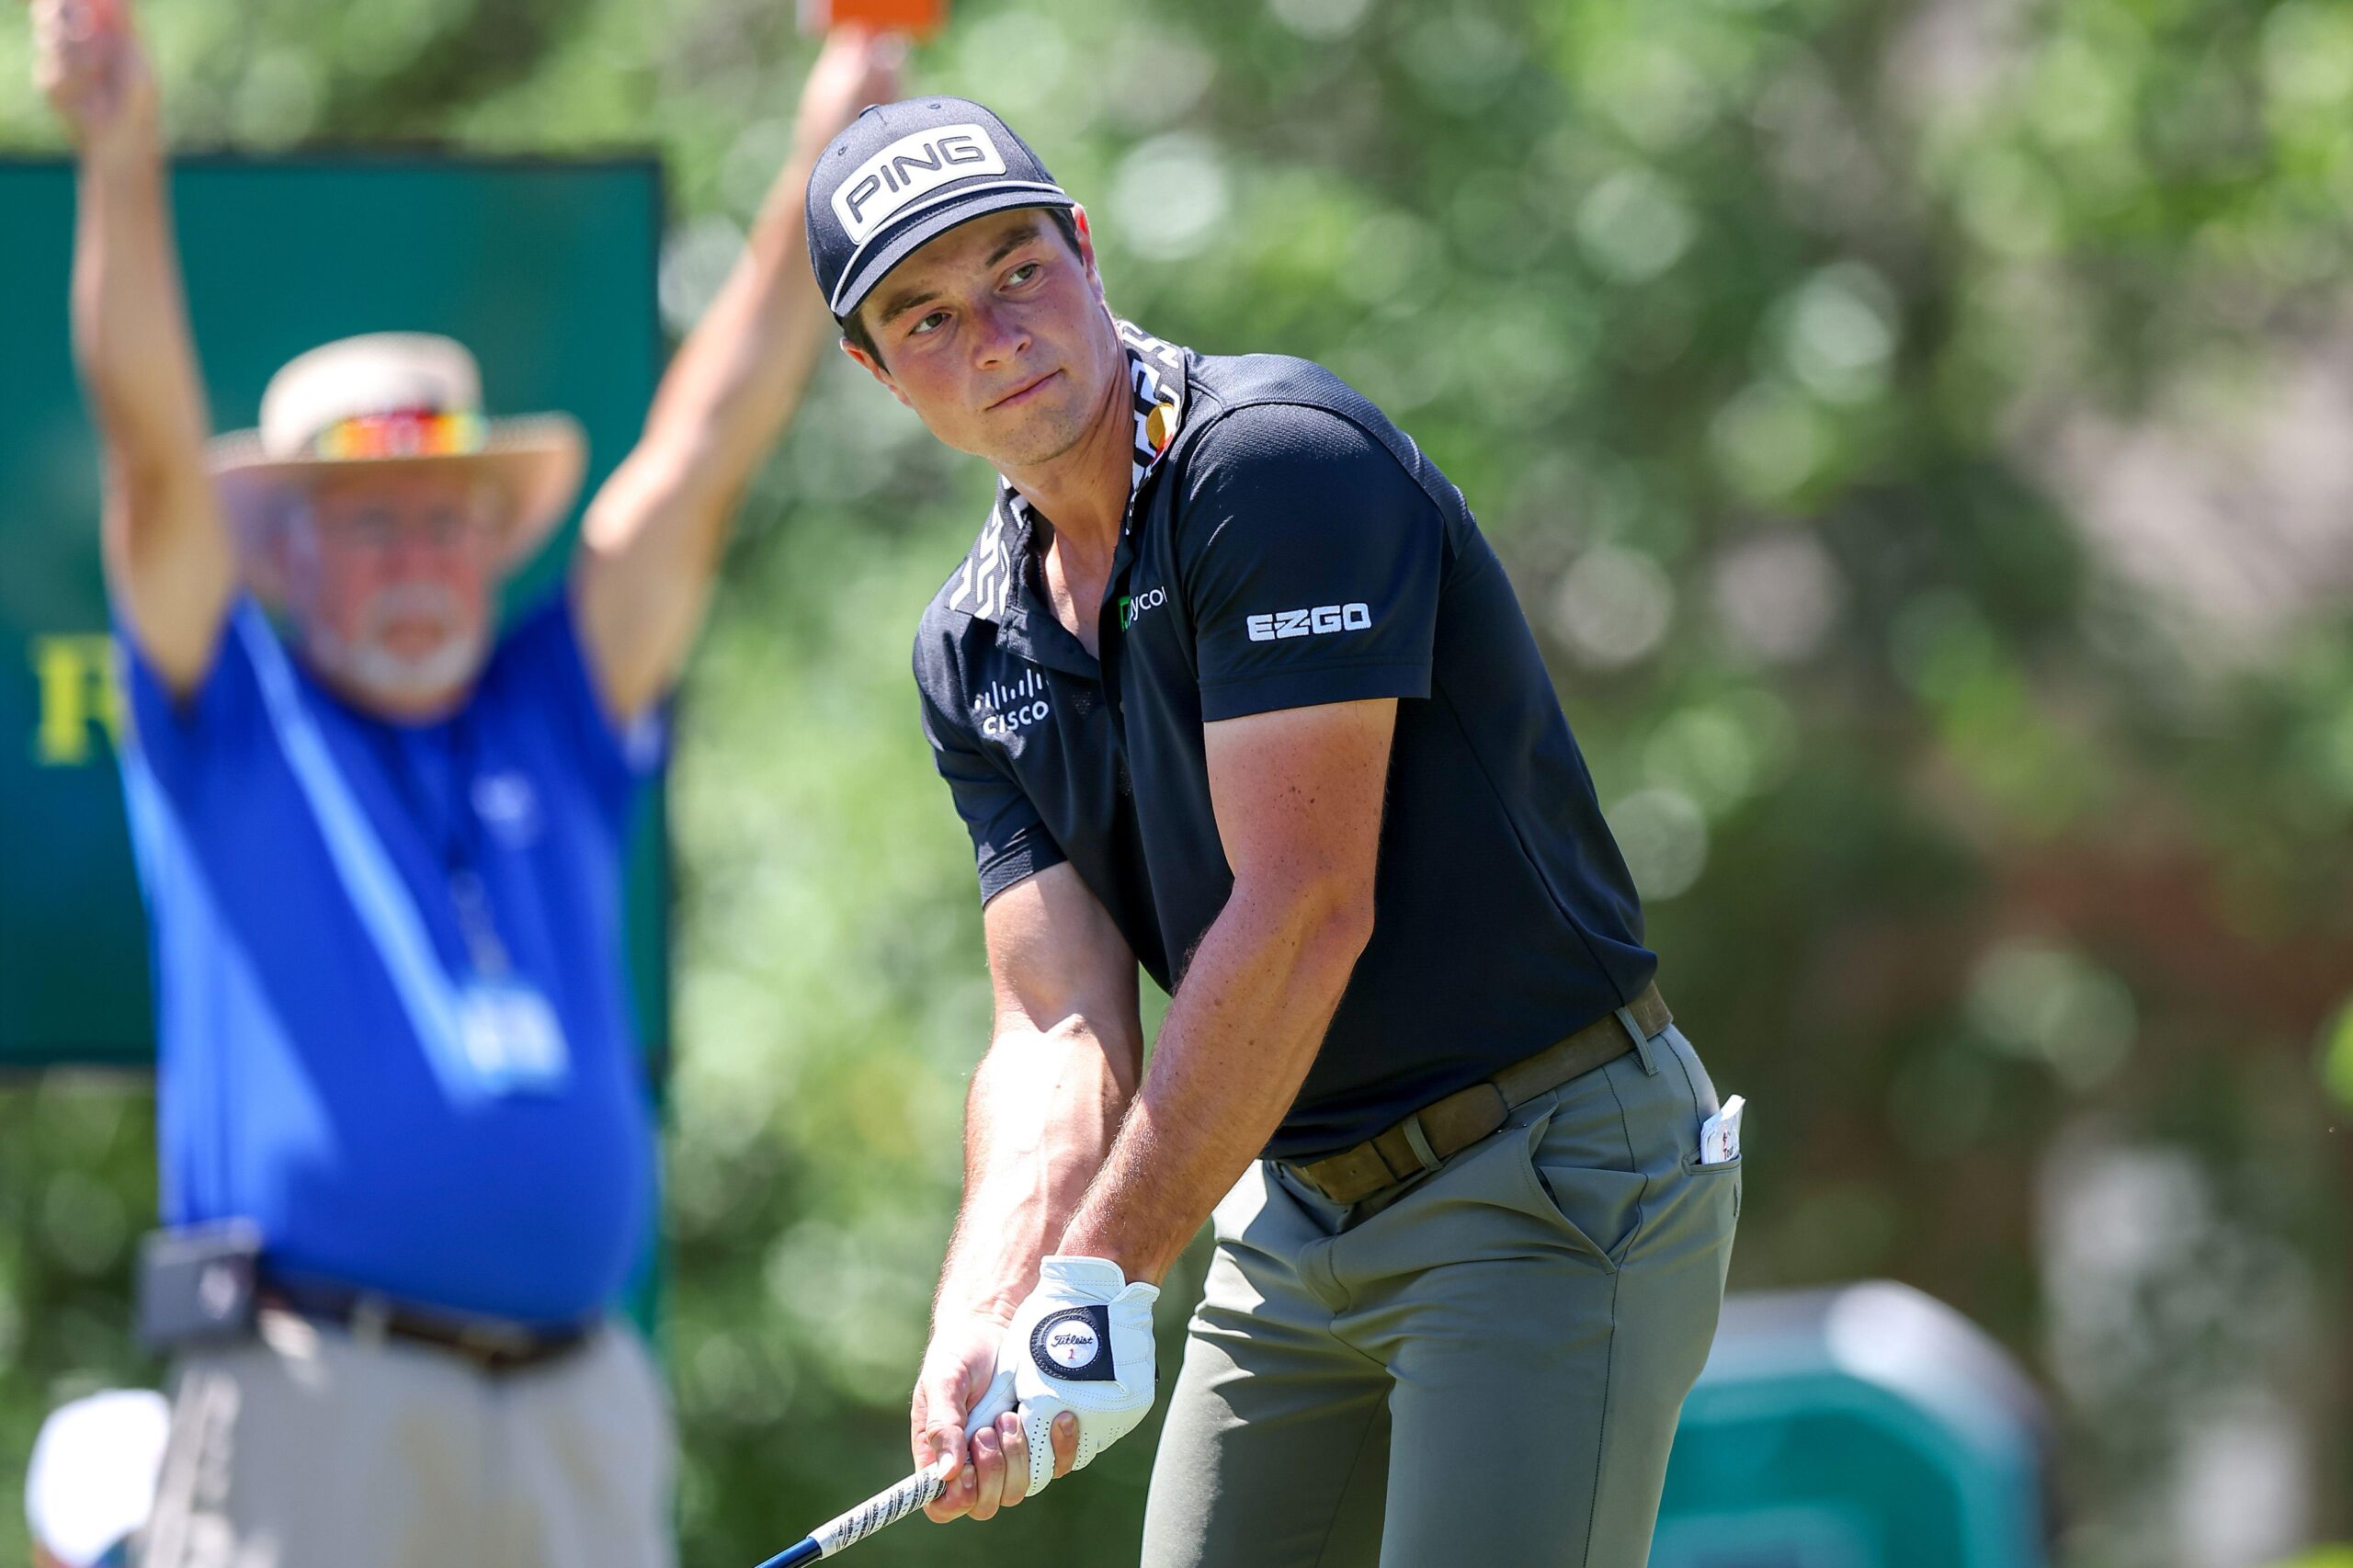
[
  {"x": 855, "y": 68},
  {"x": 88, "y": 63},
  {"x": 992, "y": 1468}
]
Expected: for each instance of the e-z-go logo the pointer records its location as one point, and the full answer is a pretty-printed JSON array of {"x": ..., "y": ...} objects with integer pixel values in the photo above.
[
  {"x": 1002, "y": 712},
  {"x": 1320, "y": 621}
]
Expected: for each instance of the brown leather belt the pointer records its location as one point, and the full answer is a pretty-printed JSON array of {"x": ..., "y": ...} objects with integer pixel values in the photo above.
[
  {"x": 1444, "y": 1128},
  {"x": 489, "y": 1344}
]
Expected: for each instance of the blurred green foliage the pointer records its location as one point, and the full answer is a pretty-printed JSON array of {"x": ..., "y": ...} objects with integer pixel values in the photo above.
[{"x": 1831, "y": 374}]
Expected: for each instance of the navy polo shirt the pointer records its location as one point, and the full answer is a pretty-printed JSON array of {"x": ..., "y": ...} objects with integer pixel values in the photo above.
[
  {"x": 1294, "y": 548},
  {"x": 1014, "y": 707}
]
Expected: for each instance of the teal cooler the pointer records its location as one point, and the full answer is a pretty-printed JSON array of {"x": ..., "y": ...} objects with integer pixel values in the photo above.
[{"x": 1869, "y": 1426}]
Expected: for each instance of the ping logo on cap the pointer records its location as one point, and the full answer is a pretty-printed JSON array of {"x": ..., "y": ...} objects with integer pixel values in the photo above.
[{"x": 910, "y": 167}]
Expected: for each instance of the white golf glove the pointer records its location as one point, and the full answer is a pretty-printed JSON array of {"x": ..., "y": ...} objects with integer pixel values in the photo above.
[{"x": 1082, "y": 1342}]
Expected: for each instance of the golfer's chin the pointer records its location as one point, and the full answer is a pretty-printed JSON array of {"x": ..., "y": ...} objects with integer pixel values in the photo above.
[{"x": 1036, "y": 430}]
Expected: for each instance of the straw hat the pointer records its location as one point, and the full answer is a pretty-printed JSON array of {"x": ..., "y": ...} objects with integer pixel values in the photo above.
[{"x": 397, "y": 399}]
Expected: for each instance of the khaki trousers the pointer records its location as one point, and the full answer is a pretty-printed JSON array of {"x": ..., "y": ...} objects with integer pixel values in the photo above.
[
  {"x": 1483, "y": 1372},
  {"x": 308, "y": 1448}
]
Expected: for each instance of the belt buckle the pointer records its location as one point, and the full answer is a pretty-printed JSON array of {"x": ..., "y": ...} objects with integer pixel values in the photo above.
[
  {"x": 493, "y": 1347},
  {"x": 369, "y": 1320},
  {"x": 1354, "y": 1161}
]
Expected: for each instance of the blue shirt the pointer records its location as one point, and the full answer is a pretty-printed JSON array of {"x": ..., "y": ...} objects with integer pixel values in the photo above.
[
  {"x": 1292, "y": 548},
  {"x": 302, "y": 862}
]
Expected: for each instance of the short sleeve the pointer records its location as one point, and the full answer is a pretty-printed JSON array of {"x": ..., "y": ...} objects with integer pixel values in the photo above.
[
  {"x": 1310, "y": 564},
  {"x": 1010, "y": 842},
  {"x": 541, "y": 663},
  {"x": 180, "y": 737}
]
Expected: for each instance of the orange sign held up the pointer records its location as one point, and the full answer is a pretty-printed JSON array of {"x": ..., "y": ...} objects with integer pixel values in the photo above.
[{"x": 916, "y": 18}]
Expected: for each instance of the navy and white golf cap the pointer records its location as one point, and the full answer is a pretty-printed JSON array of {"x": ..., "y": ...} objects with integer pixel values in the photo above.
[{"x": 905, "y": 174}]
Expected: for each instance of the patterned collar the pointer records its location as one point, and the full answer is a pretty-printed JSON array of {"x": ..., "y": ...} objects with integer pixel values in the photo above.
[{"x": 1156, "y": 373}]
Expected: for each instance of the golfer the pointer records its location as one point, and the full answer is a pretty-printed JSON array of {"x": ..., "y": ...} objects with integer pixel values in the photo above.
[
  {"x": 1232, "y": 687},
  {"x": 405, "y": 1143}
]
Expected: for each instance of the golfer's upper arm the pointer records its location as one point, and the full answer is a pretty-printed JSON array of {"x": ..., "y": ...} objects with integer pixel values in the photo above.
[
  {"x": 1298, "y": 795},
  {"x": 1054, "y": 954}
]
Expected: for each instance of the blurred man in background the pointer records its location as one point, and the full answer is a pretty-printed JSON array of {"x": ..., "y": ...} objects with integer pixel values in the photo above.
[
  {"x": 91, "y": 1485},
  {"x": 406, "y": 1150},
  {"x": 1231, "y": 685}
]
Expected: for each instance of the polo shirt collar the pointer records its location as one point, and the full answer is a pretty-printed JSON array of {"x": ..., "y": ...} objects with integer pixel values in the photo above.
[
  {"x": 999, "y": 578},
  {"x": 994, "y": 582}
]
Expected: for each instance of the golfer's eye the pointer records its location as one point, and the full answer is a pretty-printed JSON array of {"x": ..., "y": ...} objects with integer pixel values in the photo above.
[
  {"x": 929, "y": 323},
  {"x": 1023, "y": 273}
]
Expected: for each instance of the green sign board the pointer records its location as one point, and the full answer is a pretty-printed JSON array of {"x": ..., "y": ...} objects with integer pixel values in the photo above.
[
  {"x": 547, "y": 270},
  {"x": 1866, "y": 1427}
]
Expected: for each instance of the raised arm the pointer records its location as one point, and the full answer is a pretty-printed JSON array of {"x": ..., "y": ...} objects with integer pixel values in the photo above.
[
  {"x": 653, "y": 534},
  {"x": 1297, "y": 796},
  {"x": 1065, "y": 1053},
  {"x": 171, "y": 567}
]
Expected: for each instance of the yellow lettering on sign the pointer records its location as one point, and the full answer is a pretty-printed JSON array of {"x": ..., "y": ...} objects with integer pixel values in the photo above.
[{"x": 78, "y": 694}]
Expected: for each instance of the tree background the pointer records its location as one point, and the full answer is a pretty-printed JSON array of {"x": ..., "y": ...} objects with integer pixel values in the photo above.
[{"x": 1919, "y": 432}]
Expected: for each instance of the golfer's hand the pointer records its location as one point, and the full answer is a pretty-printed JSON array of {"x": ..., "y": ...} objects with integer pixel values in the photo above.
[
  {"x": 992, "y": 1466},
  {"x": 1080, "y": 1346},
  {"x": 855, "y": 69},
  {"x": 88, "y": 64}
]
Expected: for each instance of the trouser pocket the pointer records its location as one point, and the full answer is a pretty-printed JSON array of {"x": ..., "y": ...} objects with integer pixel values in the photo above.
[
  {"x": 1613, "y": 1157},
  {"x": 1598, "y": 1208}
]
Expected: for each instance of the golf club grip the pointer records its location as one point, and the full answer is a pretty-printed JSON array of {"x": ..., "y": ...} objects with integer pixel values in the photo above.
[
  {"x": 889, "y": 1507},
  {"x": 882, "y": 1508}
]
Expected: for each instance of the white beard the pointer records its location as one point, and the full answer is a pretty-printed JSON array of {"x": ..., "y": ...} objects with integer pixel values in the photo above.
[{"x": 370, "y": 665}]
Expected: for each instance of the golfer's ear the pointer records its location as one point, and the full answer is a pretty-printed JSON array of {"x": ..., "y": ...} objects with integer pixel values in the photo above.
[{"x": 874, "y": 367}]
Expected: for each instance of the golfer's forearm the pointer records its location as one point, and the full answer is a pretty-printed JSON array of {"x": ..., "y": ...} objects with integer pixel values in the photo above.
[
  {"x": 1042, "y": 1112},
  {"x": 1240, "y": 1035},
  {"x": 130, "y": 330}
]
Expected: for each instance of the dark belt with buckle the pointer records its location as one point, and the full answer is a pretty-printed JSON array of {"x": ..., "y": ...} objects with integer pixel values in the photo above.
[
  {"x": 1444, "y": 1128},
  {"x": 490, "y": 1345}
]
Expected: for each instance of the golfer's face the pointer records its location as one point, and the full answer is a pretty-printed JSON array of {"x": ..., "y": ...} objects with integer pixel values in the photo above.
[
  {"x": 996, "y": 334},
  {"x": 403, "y": 565}
]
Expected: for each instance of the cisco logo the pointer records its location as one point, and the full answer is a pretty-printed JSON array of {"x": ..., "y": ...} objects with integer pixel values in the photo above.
[{"x": 1002, "y": 712}]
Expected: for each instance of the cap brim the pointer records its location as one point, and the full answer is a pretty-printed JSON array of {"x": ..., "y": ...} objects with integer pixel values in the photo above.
[
  {"x": 538, "y": 459},
  {"x": 875, "y": 263}
]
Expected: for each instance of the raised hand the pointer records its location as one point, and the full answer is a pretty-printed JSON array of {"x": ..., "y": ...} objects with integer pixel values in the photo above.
[
  {"x": 855, "y": 69},
  {"x": 89, "y": 64}
]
